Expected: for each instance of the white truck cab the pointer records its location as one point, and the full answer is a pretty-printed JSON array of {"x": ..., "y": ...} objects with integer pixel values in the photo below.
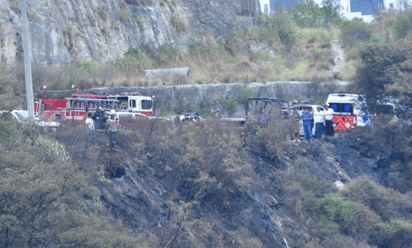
[{"x": 134, "y": 102}]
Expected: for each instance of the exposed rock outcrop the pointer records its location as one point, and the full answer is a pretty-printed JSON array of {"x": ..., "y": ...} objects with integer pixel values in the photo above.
[{"x": 65, "y": 31}]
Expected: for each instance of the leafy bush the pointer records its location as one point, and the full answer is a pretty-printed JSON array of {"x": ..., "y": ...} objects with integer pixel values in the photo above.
[
  {"x": 231, "y": 105},
  {"x": 285, "y": 27},
  {"x": 172, "y": 53},
  {"x": 332, "y": 207},
  {"x": 403, "y": 24},
  {"x": 245, "y": 94},
  {"x": 354, "y": 31},
  {"x": 102, "y": 12},
  {"x": 122, "y": 15},
  {"x": 133, "y": 58},
  {"x": 233, "y": 40},
  {"x": 89, "y": 65},
  {"x": 309, "y": 14},
  {"x": 262, "y": 56},
  {"x": 140, "y": 21},
  {"x": 397, "y": 226},
  {"x": 179, "y": 25},
  {"x": 10, "y": 88}
]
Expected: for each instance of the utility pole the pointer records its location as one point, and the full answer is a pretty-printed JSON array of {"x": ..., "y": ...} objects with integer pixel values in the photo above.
[{"x": 27, "y": 62}]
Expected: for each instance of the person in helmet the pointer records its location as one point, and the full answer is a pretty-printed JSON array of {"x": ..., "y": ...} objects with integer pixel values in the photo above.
[
  {"x": 196, "y": 117},
  {"x": 100, "y": 121},
  {"x": 58, "y": 117},
  {"x": 186, "y": 119},
  {"x": 177, "y": 118},
  {"x": 113, "y": 122}
]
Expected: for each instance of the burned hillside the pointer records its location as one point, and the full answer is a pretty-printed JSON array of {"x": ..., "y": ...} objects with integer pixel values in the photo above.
[{"x": 206, "y": 185}]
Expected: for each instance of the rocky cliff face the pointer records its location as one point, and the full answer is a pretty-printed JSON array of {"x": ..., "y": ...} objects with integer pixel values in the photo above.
[{"x": 65, "y": 31}]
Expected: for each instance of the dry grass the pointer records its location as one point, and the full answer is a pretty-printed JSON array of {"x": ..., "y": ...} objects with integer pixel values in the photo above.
[
  {"x": 211, "y": 62},
  {"x": 15, "y": 5}
]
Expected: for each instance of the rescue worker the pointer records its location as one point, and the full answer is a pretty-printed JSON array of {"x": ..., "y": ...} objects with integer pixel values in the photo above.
[
  {"x": 177, "y": 118},
  {"x": 329, "y": 121},
  {"x": 186, "y": 119},
  {"x": 113, "y": 124},
  {"x": 262, "y": 117},
  {"x": 307, "y": 124},
  {"x": 90, "y": 124},
  {"x": 318, "y": 119},
  {"x": 295, "y": 127},
  {"x": 196, "y": 117},
  {"x": 100, "y": 121},
  {"x": 58, "y": 117},
  {"x": 248, "y": 132}
]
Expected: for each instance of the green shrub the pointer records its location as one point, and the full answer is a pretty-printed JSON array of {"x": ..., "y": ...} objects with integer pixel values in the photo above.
[
  {"x": 399, "y": 233},
  {"x": 102, "y": 12},
  {"x": 354, "y": 31},
  {"x": 172, "y": 53},
  {"x": 306, "y": 14},
  {"x": 265, "y": 32},
  {"x": 285, "y": 28},
  {"x": 122, "y": 15},
  {"x": 332, "y": 208},
  {"x": 233, "y": 40},
  {"x": 179, "y": 25},
  {"x": 89, "y": 65},
  {"x": 140, "y": 21},
  {"x": 245, "y": 94},
  {"x": 134, "y": 57},
  {"x": 262, "y": 56},
  {"x": 402, "y": 25},
  {"x": 396, "y": 226},
  {"x": 231, "y": 105},
  {"x": 7, "y": 127}
]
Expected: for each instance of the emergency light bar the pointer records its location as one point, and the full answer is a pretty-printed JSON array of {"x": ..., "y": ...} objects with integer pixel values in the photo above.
[{"x": 130, "y": 93}]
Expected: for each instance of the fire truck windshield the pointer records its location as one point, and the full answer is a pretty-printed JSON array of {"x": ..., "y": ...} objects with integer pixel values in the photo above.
[
  {"x": 146, "y": 104},
  {"x": 342, "y": 108}
]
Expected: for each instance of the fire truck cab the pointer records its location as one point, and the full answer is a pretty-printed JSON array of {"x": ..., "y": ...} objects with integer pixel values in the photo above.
[{"x": 134, "y": 102}]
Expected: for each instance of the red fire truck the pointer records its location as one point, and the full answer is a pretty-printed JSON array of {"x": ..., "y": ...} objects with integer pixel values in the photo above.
[{"x": 74, "y": 108}]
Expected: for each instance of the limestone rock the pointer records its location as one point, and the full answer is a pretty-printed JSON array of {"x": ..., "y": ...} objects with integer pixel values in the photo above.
[{"x": 65, "y": 31}]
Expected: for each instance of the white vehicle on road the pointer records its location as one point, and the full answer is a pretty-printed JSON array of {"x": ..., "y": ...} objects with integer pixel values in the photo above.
[
  {"x": 23, "y": 117},
  {"x": 300, "y": 109}
]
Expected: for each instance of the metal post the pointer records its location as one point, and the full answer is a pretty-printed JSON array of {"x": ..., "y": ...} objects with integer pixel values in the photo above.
[
  {"x": 286, "y": 242},
  {"x": 27, "y": 62}
]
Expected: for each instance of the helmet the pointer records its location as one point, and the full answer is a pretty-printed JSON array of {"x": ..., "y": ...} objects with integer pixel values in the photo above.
[{"x": 112, "y": 112}]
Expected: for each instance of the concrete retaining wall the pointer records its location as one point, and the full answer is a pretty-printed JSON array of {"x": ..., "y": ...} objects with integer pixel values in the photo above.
[{"x": 215, "y": 97}]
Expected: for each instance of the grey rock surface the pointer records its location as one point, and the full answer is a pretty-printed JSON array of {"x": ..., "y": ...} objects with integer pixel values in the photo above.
[{"x": 65, "y": 31}]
